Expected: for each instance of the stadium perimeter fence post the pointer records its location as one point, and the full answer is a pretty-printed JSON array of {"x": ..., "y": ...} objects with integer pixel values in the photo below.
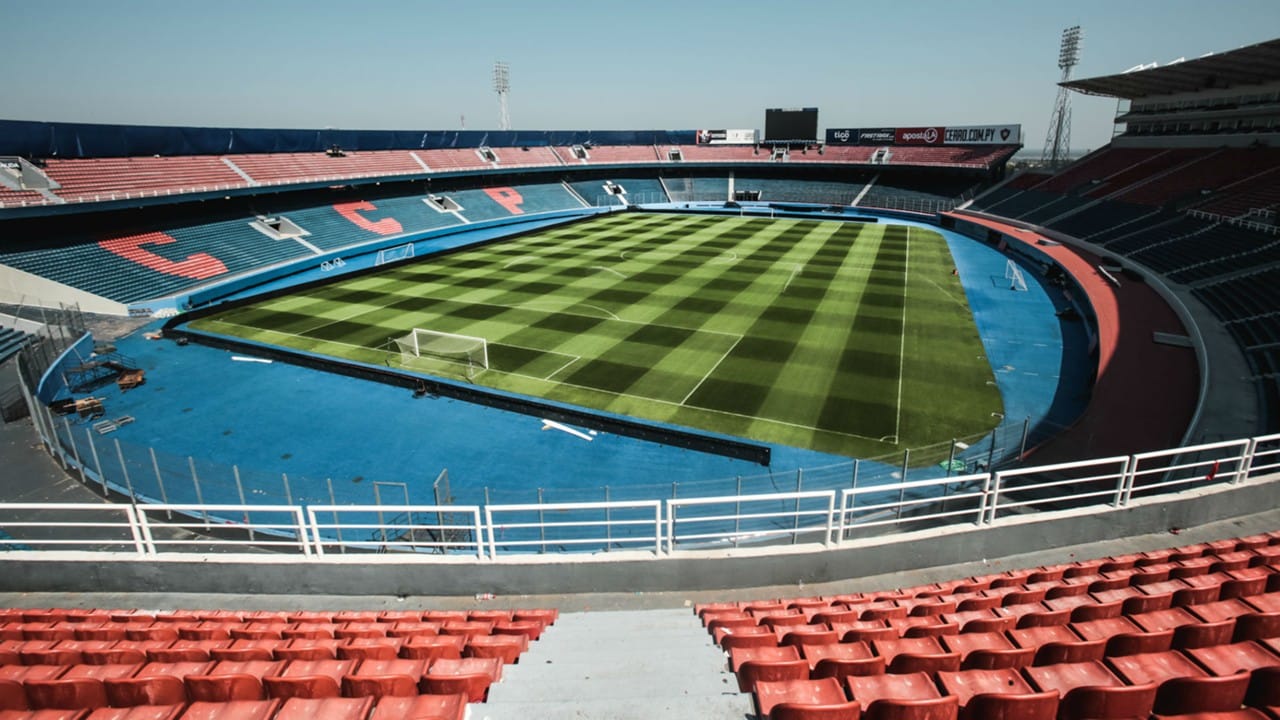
[
  {"x": 75, "y": 455},
  {"x": 902, "y": 489},
  {"x": 737, "y": 512},
  {"x": 195, "y": 480},
  {"x": 164, "y": 496},
  {"x": 97, "y": 464},
  {"x": 55, "y": 446},
  {"x": 288, "y": 493},
  {"x": 235, "y": 471},
  {"x": 337, "y": 526},
  {"x": 124, "y": 470},
  {"x": 542, "y": 525},
  {"x": 951, "y": 458},
  {"x": 608, "y": 521},
  {"x": 795, "y": 523},
  {"x": 853, "y": 482}
]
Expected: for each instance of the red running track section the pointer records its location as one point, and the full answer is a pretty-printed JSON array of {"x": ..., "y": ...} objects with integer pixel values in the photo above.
[{"x": 1145, "y": 393}]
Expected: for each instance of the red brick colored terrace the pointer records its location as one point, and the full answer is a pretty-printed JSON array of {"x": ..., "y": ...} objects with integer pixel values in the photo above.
[{"x": 1145, "y": 393}]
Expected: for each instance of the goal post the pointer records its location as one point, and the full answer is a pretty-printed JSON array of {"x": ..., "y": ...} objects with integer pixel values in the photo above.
[
  {"x": 1013, "y": 273},
  {"x": 394, "y": 254},
  {"x": 436, "y": 351}
]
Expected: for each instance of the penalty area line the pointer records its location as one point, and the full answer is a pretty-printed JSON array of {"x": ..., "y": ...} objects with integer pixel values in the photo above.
[
  {"x": 558, "y": 370},
  {"x": 713, "y": 369},
  {"x": 902, "y": 343}
]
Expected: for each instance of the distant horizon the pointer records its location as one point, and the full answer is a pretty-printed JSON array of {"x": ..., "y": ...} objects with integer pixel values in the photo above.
[{"x": 405, "y": 65}]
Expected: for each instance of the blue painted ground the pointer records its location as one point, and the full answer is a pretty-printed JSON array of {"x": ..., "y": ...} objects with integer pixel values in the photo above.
[{"x": 341, "y": 439}]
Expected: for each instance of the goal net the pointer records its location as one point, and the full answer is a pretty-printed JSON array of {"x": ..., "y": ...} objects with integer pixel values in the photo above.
[
  {"x": 1013, "y": 274},
  {"x": 394, "y": 254},
  {"x": 441, "y": 352}
]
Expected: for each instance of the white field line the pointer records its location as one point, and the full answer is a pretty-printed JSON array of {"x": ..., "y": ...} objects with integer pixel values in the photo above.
[
  {"x": 948, "y": 295},
  {"x": 572, "y": 358},
  {"x": 628, "y": 396},
  {"x": 795, "y": 269},
  {"x": 902, "y": 345},
  {"x": 557, "y": 371},
  {"x": 707, "y": 374},
  {"x": 522, "y": 260},
  {"x": 608, "y": 269},
  {"x": 534, "y": 305}
]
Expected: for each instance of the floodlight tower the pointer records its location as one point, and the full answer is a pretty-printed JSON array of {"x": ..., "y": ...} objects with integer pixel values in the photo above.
[
  {"x": 1057, "y": 142},
  {"x": 502, "y": 86}
]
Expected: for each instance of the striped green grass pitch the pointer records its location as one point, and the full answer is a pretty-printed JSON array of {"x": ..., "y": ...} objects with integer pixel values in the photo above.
[{"x": 849, "y": 338}]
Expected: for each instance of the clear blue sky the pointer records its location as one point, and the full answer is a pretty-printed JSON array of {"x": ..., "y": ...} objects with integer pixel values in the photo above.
[{"x": 651, "y": 64}]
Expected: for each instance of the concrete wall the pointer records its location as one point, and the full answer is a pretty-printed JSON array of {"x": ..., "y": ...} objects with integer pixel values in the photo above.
[
  {"x": 632, "y": 572},
  {"x": 23, "y": 288}
]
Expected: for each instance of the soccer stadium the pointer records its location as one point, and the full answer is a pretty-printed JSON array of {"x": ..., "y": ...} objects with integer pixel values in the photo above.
[{"x": 789, "y": 423}]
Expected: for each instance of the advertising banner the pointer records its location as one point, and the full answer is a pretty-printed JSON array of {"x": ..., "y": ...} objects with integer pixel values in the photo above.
[
  {"x": 984, "y": 135},
  {"x": 921, "y": 136},
  {"x": 726, "y": 137},
  {"x": 876, "y": 136}
]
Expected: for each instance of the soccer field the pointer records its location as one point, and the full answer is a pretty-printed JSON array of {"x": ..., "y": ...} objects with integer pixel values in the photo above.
[{"x": 843, "y": 337}]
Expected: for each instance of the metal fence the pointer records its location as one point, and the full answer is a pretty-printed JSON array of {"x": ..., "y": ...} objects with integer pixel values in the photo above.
[
  {"x": 831, "y": 518},
  {"x": 145, "y": 474}
]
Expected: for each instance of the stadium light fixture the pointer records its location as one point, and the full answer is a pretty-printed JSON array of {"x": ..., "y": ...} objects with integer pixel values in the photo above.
[
  {"x": 502, "y": 86},
  {"x": 1069, "y": 50},
  {"x": 1057, "y": 143}
]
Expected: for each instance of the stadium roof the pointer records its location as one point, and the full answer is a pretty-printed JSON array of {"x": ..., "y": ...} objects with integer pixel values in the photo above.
[{"x": 1249, "y": 65}]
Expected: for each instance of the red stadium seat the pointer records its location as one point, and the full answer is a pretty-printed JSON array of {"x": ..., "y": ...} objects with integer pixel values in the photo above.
[
  {"x": 968, "y": 683},
  {"x": 1107, "y": 702},
  {"x": 380, "y": 678},
  {"x": 1203, "y": 634},
  {"x": 309, "y": 679},
  {"x": 69, "y": 694},
  {"x": 469, "y": 676},
  {"x": 868, "y": 689},
  {"x": 81, "y": 686},
  {"x": 235, "y": 710},
  {"x": 433, "y": 648},
  {"x": 736, "y": 641},
  {"x": 506, "y": 648},
  {"x": 1073, "y": 651},
  {"x": 1002, "y": 706},
  {"x": 1257, "y": 626},
  {"x": 245, "y": 649},
  {"x": 138, "y": 712},
  {"x": 327, "y": 708},
  {"x": 308, "y": 649},
  {"x": 225, "y": 687},
  {"x": 942, "y": 708},
  {"x": 1233, "y": 658},
  {"x": 1201, "y": 694},
  {"x": 12, "y": 695},
  {"x": 369, "y": 648},
  {"x": 752, "y": 671},
  {"x": 149, "y": 688},
  {"x": 415, "y": 628},
  {"x": 1133, "y": 643},
  {"x": 436, "y": 707},
  {"x": 826, "y": 693}
]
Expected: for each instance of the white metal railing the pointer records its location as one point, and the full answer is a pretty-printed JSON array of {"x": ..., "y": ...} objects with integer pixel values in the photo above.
[
  {"x": 969, "y": 490},
  {"x": 831, "y": 518},
  {"x": 768, "y": 517},
  {"x": 199, "y": 526},
  {"x": 404, "y": 528},
  {"x": 504, "y": 528}
]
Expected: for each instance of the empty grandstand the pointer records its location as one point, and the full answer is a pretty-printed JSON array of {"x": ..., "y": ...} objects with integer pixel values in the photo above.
[{"x": 723, "y": 376}]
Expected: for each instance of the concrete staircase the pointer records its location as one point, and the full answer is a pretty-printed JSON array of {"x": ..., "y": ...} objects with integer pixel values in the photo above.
[{"x": 619, "y": 665}]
